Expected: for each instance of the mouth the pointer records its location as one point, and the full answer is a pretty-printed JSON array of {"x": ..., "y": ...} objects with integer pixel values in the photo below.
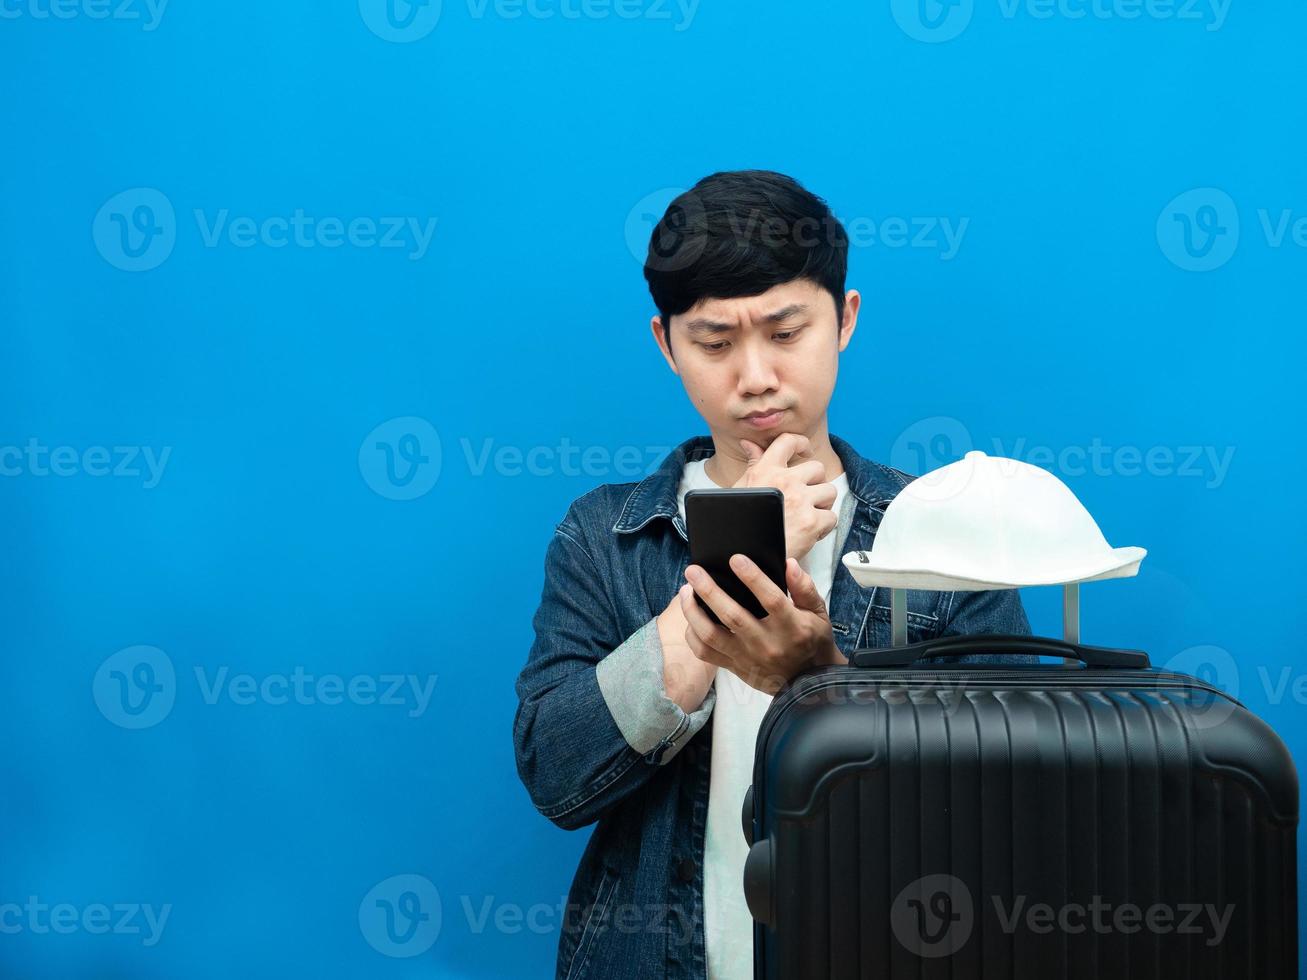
[{"x": 765, "y": 420}]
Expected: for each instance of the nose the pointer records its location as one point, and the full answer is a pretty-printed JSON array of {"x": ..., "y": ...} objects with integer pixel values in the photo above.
[{"x": 757, "y": 373}]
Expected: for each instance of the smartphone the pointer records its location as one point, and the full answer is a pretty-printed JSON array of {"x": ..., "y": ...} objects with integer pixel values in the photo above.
[{"x": 748, "y": 521}]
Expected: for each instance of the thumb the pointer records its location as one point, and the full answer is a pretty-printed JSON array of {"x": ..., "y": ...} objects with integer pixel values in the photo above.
[
  {"x": 751, "y": 450},
  {"x": 803, "y": 590}
]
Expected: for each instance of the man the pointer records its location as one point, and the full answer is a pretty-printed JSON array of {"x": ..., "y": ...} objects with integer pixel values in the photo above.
[{"x": 636, "y": 711}]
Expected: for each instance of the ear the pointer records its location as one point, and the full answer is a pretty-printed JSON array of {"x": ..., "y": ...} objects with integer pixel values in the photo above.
[
  {"x": 852, "y": 301},
  {"x": 656, "y": 325}
]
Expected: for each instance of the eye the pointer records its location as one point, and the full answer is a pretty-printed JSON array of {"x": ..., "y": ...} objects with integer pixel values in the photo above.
[
  {"x": 714, "y": 348},
  {"x": 785, "y": 335}
]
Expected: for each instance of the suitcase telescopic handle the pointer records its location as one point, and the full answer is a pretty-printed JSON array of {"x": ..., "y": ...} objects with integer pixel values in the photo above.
[
  {"x": 999, "y": 645},
  {"x": 898, "y": 600}
]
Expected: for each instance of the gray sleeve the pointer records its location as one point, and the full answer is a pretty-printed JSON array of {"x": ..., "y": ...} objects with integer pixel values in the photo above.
[{"x": 631, "y": 681}]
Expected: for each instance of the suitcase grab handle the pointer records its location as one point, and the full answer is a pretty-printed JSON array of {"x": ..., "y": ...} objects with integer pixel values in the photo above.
[{"x": 998, "y": 644}]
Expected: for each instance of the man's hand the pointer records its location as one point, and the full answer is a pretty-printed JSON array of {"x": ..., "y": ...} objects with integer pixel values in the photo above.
[
  {"x": 686, "y": 678},
  {"x": 764, "y": 653},
  {"x": 809, "y": 497}
]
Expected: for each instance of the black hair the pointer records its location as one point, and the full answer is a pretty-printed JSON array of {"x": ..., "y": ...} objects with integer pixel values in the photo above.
[{"x": 739, "y": 233}]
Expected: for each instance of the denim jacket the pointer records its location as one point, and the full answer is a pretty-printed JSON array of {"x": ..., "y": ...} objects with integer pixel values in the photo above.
[{"x": 597, "y": 740}]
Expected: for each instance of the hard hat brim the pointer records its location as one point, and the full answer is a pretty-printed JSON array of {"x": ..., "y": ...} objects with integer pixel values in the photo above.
[{"x": 1117, "y": 563}]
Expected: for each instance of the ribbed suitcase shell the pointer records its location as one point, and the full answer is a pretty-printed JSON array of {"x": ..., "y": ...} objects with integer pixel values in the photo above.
[{"x": 1067, "y": 786}]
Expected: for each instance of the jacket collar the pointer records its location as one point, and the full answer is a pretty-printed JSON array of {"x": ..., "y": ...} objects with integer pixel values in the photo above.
[{"x": 873, "y": 484}]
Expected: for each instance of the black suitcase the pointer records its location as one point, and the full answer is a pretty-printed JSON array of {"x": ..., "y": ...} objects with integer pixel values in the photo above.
[{"x": 1046, "y": 821}]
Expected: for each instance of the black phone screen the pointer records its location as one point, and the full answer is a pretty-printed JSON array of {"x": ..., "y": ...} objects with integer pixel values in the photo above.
[{"x": 748, "y": 521}]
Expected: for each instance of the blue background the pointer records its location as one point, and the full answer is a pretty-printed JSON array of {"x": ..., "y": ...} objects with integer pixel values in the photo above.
[{"x": 1070, "y": 315}]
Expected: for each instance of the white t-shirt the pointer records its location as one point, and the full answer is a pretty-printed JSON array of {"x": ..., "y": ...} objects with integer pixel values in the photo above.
[{"x": 728, "y": 927}]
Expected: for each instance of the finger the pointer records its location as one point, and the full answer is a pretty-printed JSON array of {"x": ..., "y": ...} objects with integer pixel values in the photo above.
[
  {"x": 734, "y": 617},
  {"x": 824, "y": 495},
  {"x": 829, "y": 521},
  {"x": 811, "y": 471},
  {"x": 698, "y": 623},
  {"x": 803, "y": 590},
  {"x": 766, "y": 591},
  {"x": 705, "y": 653},
  {"x": 786, "y": 446}
]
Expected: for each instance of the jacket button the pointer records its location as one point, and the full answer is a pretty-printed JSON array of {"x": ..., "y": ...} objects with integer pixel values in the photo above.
[{"x": 685, "y": 870}]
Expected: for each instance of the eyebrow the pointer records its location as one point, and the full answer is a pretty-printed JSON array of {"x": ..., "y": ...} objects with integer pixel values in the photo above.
[{"x": 704, "y": 326}]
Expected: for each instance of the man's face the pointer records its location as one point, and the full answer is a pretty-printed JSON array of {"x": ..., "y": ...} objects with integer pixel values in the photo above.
[{"x": 776, "y": 352}]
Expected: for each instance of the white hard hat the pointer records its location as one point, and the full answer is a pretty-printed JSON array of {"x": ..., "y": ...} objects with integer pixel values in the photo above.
[{"x": 988, "y": 522}]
